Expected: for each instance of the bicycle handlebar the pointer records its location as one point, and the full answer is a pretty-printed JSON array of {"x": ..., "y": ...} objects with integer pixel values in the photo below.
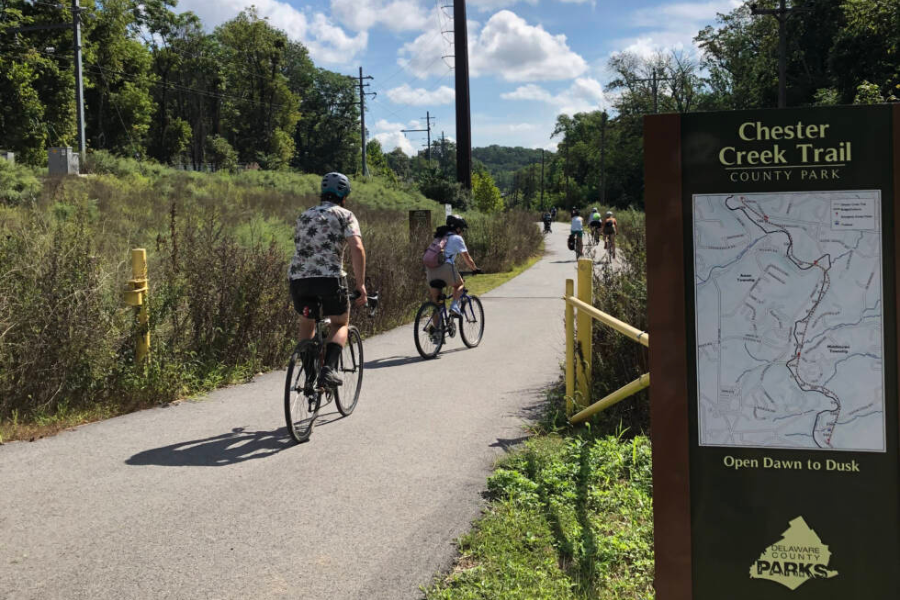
[
  {"x": 468, "y": 273},
  {"x": 371, "y": 301}
]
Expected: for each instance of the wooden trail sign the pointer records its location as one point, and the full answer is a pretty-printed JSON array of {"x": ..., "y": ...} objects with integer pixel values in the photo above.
[{"x": 772, "y": 277}]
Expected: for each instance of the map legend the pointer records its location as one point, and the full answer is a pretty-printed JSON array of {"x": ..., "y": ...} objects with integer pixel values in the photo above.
[{"x": 854, "y": 214}]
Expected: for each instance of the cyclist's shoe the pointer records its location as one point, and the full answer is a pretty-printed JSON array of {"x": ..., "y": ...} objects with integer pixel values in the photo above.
[
  {"x": 328, "y": 378},
  {"x": 454, "y": 309}
]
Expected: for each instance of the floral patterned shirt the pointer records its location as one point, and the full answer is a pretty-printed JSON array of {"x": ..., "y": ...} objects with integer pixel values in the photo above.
[{"x": 320, "y": 241}]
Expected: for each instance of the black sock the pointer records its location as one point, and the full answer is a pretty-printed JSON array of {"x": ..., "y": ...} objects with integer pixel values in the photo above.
[{"x": 332, "y": 354}]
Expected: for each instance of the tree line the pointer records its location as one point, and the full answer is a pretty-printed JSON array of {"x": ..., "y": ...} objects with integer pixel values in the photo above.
[
  {"x": 838, "y": 52},
  {"x": 157, "y": 85}
]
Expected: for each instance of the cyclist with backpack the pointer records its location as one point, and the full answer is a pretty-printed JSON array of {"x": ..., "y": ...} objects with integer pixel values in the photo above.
[
  {"x": 441, "y": 260},
  {"x": 595, "y": 224}
]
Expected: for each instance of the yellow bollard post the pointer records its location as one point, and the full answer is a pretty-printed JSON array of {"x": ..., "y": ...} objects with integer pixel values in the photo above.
[
  {"x": 584, "y": 326},
  {"x": 138, "y": 297},
  {"x": 570, "y": 347}
]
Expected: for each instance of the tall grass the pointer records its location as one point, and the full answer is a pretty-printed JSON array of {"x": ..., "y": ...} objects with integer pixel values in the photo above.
[
  {"x": 618, "y": 360},
  {"x": 219, "y": 247}
]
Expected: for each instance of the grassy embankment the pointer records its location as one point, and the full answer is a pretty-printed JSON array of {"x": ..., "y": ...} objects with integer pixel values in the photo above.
[
  {"x": 218, "y": 249},
  {"x": 570, "y": 515}
]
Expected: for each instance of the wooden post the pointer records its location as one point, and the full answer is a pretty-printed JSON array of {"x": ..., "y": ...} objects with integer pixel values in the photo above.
[
  {"x": 570, "y": 348},
  {"x": 584, "y": 326},
  {"x": 140, "y": 287}
]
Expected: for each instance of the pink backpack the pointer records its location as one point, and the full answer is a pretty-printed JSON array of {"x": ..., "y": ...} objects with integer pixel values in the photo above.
[{"x": 434, "y": 254}]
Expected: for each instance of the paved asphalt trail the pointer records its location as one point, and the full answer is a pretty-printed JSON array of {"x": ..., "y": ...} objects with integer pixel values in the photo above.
[{"x": 210, "y": 499}]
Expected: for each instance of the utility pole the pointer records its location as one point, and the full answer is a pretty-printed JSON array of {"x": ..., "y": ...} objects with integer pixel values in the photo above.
[
  {"x": 654, "y": 81},
  {"x": 79, "y": 81},
  {"x": 782, "y": 13},
  {"x": 75, "y": 26},
  {"x": 463, "y": 114},
  {"x": 426, "y": 130},
  {"x": 603, "y": 119},
  {"x": 542, "y": 179},
  {"x": 428, "y": 120},
  {"x": 362, "y": 117}
]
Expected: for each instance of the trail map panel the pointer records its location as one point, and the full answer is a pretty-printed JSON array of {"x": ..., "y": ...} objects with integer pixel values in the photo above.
[{"x": 790, "y": 336}]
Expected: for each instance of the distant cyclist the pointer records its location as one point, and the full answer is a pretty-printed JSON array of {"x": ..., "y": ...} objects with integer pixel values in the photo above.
[
  {"x": 577, "y": 231},
  {"x": 547, "y": 219},
  {"x": 448, "y": 272},
  {"x": 595, "y": 223},
  {"x": 610, "y": 230},
  {"x": 318, "y": 278}
]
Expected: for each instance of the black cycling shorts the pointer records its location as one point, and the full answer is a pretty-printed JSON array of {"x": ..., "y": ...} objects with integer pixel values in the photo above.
[{"x": 320, "y": 296}]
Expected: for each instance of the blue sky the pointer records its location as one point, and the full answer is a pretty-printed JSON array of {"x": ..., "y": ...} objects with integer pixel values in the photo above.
[{"x": 530, "y": 60}]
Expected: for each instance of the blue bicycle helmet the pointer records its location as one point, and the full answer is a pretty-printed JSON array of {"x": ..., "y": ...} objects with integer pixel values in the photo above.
[{"x": 337, "y": 184}]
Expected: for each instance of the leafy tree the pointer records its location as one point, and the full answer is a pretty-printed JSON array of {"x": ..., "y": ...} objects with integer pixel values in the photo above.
[
  {"x": 485, "y": 195},
  {"x": 118, "y": 103},
  {"x": 327, "y": 136},
  {"x": 221, "y": 154},
  {"x": 260, "y": 103},
  {"x": 399, "y": 163}
]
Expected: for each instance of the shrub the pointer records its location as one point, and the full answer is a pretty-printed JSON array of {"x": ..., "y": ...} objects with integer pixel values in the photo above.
[
  {"x": 218, "y": 247},
  {"x": 618, "y": 360},
  {"x": 18, "y": 184},
  {"x": 221, "y": 154}
]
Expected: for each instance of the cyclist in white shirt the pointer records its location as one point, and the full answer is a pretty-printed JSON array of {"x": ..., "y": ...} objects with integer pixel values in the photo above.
[
  {"x": 449, "y": 272},
  {"x": 577, "y": 230}
]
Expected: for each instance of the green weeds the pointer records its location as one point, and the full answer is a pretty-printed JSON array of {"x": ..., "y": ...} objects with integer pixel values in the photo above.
[{"x": 218, "y": 251}]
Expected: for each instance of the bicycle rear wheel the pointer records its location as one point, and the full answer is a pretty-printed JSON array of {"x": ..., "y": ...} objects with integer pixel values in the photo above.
[
  {"x": 428, "y": 341},
  {"x": 350, "y": 368},
  {"x": 301, "y": 400},
  {"x": 472, "y": 321}
]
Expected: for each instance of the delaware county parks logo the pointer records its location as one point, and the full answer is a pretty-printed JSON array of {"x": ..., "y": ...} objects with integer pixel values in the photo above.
[{"x": 794, "y": 559}]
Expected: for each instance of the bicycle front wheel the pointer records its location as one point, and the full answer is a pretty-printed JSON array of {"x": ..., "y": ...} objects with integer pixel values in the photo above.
[
  {"x": 301, "y": 400},
  {"x": 472, "y": 322},
  {"x": 428, "y": 330},
  {"x": 350, "y": 368}
]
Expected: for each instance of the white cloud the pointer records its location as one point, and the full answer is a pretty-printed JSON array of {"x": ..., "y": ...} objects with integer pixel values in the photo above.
[
  {"x": 396, "y": 15},
  {"x": 394, "y": 139},
  {"x": 424, "y": 55},
  {"x": 390, "y": 135},
  {"x": 507, "y": 47},
  {"x": 327, "y": 42},
  {"x": 510, "y": 48},
  {"x": 672, "y": 26},
  {"x": 585, "y": 94},
  {"x": 420, "y": 96},
  {"x": 385, "y": 125}
]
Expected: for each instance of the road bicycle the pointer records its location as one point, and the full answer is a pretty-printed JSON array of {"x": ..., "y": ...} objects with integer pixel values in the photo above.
[
  {"x": 610, "y": 239},
  {"x": 435, "y": 323},
  {"x": 579, "y": 246},
  {"x": 595, "y": 236},
  {"x": 303, "y": 396}
]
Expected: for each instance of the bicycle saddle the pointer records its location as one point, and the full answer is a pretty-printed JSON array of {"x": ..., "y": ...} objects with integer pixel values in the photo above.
[{"x": 438, "y": 284}]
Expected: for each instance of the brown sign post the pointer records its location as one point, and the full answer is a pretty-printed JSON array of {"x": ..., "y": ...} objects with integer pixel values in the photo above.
[
  {"x": 419, "y": 224},
  {"x": 772, "y": 278}
]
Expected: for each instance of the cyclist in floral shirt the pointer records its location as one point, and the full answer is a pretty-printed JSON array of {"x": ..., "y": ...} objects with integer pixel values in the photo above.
[{"x": 318, "y": 278}]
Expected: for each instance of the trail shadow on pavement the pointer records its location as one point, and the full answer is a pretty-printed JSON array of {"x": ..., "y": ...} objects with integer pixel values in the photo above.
[
  {"x": 399, "y": 361},
  {"x": 227, "y": 449}
]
